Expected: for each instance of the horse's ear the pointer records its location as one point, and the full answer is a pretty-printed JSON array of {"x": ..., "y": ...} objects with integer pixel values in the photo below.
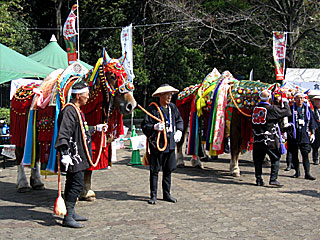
[
  {"x": 123, "y": 57},
  {"x": 106, "y": 58}
]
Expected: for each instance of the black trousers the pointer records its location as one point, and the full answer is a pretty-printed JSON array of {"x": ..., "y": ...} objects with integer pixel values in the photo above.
[
  {"x": 167, "y": 161},
  {"x": 305, "y": 148},
  {"x": 259, "y": 152},
  {"x": 74, "y": 185},
  {"x": 315, "y": 147}
]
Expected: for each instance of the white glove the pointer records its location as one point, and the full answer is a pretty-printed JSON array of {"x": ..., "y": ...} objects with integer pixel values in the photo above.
[
  {"x": 312, "y": 138},
  {"x": 286, "y": 125},
  {"x": 177, "y": 136},
  {"x": 102, "y": 127},
  {"x": 66, "y": 161},
  {"x": 159, "y": 126}
]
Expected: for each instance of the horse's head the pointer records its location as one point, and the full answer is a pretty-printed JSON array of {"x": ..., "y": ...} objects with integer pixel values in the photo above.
[{"x": 117, "y": 84}]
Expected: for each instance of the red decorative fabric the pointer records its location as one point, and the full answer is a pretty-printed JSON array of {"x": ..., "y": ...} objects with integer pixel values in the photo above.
[
  {"x": 246, "y": 131},
  {"x": 45, "y": 125},
  {"x": 18, "y": 119}
]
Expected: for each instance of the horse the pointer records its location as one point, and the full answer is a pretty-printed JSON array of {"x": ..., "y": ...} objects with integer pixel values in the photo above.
[
  {"x": 221, "y": 107},
  {"x": 35, "y": 109}
]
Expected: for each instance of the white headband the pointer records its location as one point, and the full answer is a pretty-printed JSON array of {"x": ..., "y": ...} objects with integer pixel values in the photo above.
[{"x": 82, "y": 90}]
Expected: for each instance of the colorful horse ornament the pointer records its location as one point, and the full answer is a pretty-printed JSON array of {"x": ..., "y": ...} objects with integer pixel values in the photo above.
[
  {"x": 220, "y": 108},
  {"x": 110, "y": 97}
]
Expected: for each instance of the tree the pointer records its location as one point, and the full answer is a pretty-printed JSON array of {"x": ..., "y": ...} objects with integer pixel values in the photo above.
[
  {"x": 14, "y": 28},
  {"x": 249, "y": 24}
]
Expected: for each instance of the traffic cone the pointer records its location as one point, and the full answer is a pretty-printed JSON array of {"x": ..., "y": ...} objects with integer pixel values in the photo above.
[{"x": 135, "y": 157}]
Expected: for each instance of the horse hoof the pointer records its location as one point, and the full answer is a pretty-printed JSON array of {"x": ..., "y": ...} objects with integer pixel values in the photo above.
[
  {"x": 235, "y": 174},
  {"x": 180, "y": 165},
  {"x": 88, "y": 199},
  {"x": 38, "y": 187},
  {"x": 24, "y": 190}
]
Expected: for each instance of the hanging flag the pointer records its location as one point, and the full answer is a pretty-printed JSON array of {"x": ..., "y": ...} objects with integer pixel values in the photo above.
[
  {"x": 279, "y": 53},
  {"x": 251, "y": 75},
  {"x": 70, "y": 35},
  {"x": 126, "y": 44}
]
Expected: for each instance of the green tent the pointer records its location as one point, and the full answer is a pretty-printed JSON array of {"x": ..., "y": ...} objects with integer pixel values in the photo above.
[
  {"x": 54, "y": 56},
  {"x": 14, "y": 65}
]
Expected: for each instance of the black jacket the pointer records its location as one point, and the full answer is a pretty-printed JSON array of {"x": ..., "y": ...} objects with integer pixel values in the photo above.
[
  {"x": 300, "y": 132},
  {"x": 266, "y": 127},
  {"x": 70, "y": 139},
  {"x": 148, "y": 123}
]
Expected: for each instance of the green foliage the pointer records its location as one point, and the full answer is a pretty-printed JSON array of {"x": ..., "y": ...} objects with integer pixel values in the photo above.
[
  {"x": 5, "y": 114},
  {"x": 14, "y": 31}
]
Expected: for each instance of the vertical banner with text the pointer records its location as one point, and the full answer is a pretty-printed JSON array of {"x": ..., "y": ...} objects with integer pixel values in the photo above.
[
  {"x": 126, "y": 44},
  {"x": 70, "y": 35},
  {"x": 279, "y": 53}
]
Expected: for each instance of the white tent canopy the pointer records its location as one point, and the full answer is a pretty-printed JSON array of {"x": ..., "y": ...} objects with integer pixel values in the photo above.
[{"x": 307, "y": 78}]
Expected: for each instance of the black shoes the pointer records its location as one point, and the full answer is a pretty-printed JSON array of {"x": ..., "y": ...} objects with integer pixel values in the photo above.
[
  {"x": 296, "y": 175},
  {"x": 152, "y": 200},
  {"x": 70, "y": 222},
  {"x": 170, "y": 199},
  {"x": 309, "y": 177},
  {"x": 259, "y": 182},
  {"x": 275, "y": 183},
  {"x": 79, "y": 218},
  {"x": 288, "y": 168}
]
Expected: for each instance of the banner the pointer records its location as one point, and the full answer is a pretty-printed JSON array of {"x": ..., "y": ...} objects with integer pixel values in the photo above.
[
  {"x": 126, "y": 44},
  {"x": 279, "y": 53},
  {"x": 70, "y": 35}
]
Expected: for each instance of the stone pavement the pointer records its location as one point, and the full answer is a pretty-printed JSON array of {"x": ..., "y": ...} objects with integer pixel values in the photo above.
[{"x": 211, "y": 205}]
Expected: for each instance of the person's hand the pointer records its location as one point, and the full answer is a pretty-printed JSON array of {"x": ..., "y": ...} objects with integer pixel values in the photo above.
[
  {"x": 286, "y": 125},
  {"x": 102, "y": 127},
  {"x": 66, "y": 161},
  {"x": 159, "y": 126},
  {"x": 177, "y": 136},
  {"x": 312, "y": 138}
]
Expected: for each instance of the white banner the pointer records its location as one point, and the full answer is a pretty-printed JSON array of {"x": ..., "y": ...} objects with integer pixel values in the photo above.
[{"x": 126, "y": 44}]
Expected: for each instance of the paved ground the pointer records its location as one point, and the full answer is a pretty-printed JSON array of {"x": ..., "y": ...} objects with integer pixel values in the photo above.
[{"x": 211, "y": 205}]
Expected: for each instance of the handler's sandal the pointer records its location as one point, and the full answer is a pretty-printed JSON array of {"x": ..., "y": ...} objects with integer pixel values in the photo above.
[
  {"x": 275, "y": 183},
  {"x": 152, "y": 200},
  {"x": 77, "y": 217},
  {"x": 170, "y": 199}
]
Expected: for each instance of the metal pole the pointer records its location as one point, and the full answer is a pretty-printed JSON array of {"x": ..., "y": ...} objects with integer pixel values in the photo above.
[{"x": 78, "y": 30}]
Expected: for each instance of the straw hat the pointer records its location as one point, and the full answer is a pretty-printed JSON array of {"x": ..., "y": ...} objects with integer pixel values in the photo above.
[{"x": 164, "y": 88}]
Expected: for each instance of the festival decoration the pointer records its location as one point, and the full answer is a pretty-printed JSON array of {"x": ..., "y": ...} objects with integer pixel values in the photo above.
[
  {"x": 279, "y": 53},
  {"x": 70, "y": 35}
]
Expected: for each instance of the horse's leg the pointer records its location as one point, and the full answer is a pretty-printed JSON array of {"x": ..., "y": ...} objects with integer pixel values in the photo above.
[
  {"x": 195, "y": 162},
  {"x": 35, "y": 178},
  {"x": 180, "y": 162},
  {"x": 235, "y": 142},
  {"x": 87, "y": 194},
  {"x": 22, "y": 182}
]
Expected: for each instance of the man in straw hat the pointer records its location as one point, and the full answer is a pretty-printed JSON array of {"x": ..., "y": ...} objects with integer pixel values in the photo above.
[
  {"x": 315, "y": 145},
  {"x": 71, "y": 146},
  {"x": 302, "y": 123},
  {"x": 172, "y": 126},
  {"x": 267, "y": 136}
]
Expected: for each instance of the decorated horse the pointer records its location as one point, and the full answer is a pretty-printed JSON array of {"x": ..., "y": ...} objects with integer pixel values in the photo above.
[
  {"x": 35, "y": 109},
  {"x": 218, "y": 110}
]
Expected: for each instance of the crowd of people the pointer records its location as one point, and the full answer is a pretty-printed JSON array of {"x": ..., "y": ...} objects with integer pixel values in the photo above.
[
  {"x": 299, "y": 123},
  {"x": 163, "y": 127}
]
